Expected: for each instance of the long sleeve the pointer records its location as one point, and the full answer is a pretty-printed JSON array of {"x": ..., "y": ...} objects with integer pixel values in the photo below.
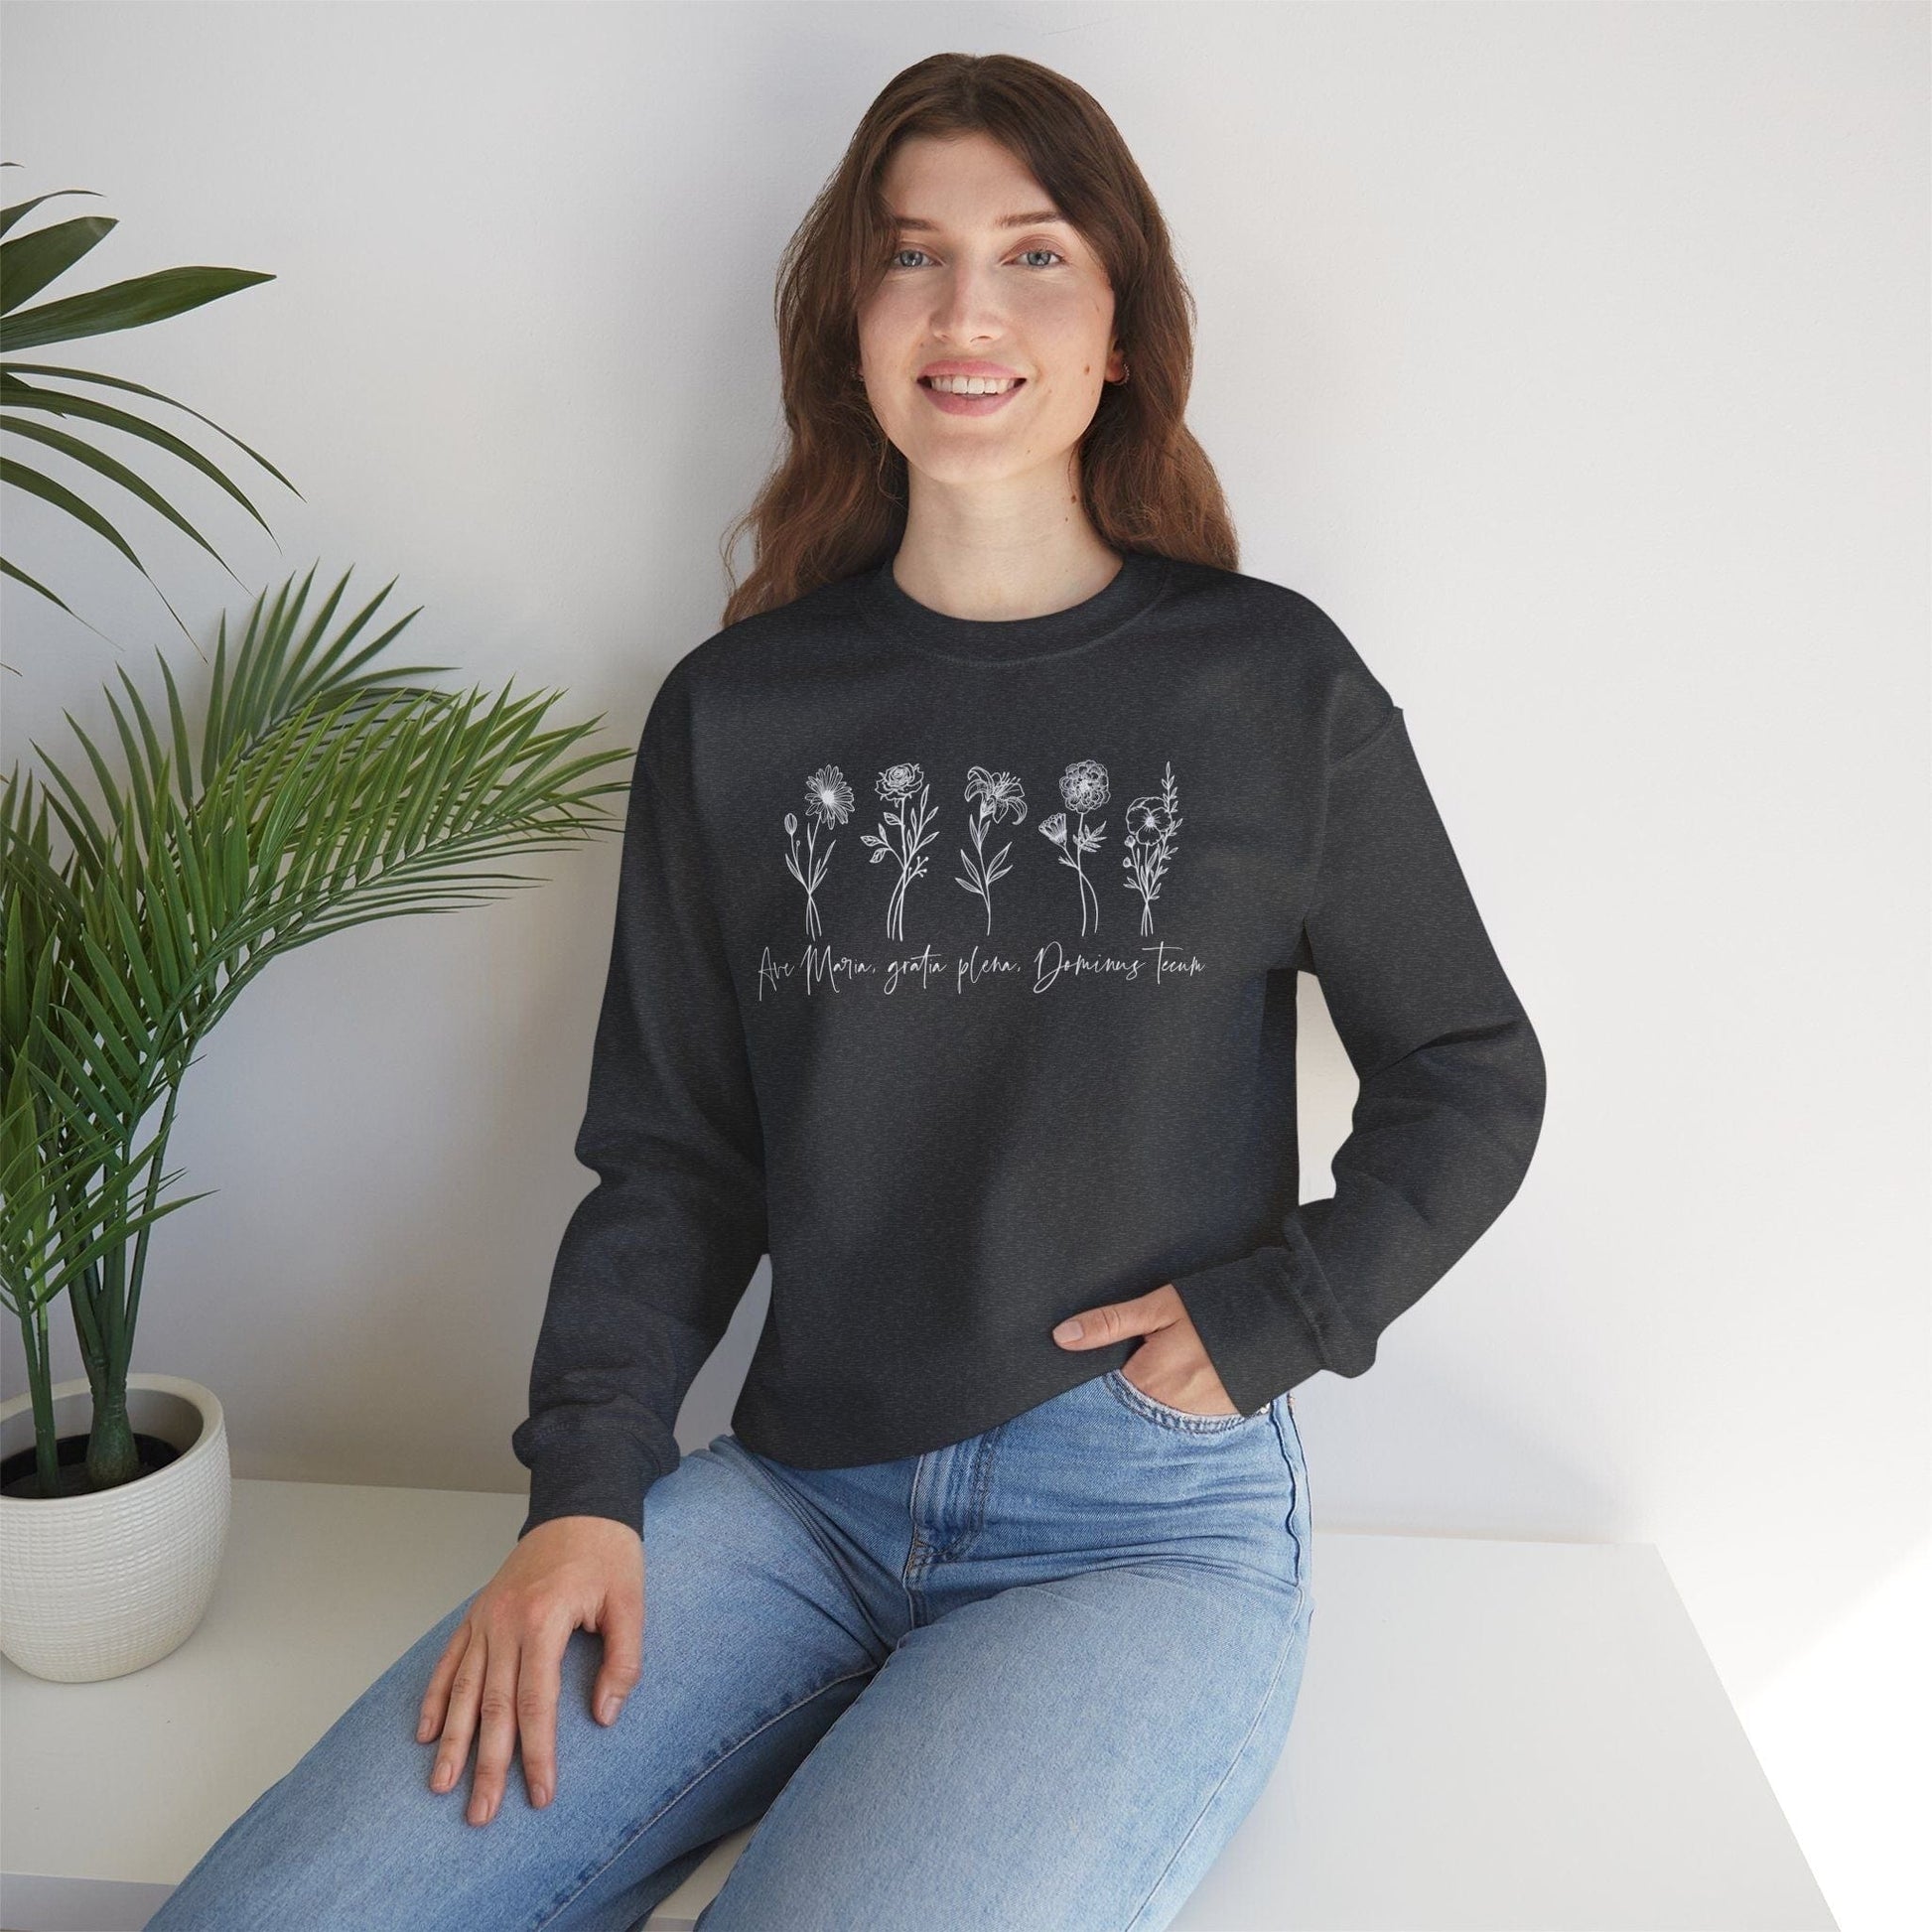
[
  {"x": 657, "y": 1256},
  {"x": 1451, "y": 1101}
]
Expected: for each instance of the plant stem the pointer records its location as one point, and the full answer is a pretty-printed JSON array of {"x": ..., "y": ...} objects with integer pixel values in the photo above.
[
  {"x": 111, "y": 1456},
  {"x": 46, "y": 1452},
  {"x": 105, "y": 1303}
]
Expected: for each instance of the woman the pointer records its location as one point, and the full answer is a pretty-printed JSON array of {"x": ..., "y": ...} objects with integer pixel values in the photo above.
[{"x": 967, "y": 874}]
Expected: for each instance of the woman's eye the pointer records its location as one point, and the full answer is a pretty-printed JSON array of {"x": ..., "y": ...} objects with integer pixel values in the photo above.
[{"x": 899, "y": 254}]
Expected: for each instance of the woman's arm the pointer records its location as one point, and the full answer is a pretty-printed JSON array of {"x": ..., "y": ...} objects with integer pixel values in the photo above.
[
  {"x": 657, "y": 1255},
  {"x": 1451, "y": 1091}
]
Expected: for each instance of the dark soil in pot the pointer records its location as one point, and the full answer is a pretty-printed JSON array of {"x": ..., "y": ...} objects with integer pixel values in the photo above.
[{"x": 17, "y": 1477}]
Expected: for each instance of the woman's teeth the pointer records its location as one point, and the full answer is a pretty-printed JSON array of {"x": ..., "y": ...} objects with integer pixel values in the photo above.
[{"x": 971, "y": 385}]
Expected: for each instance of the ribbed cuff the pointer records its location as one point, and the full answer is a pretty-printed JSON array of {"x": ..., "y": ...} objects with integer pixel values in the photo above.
[
  {"x": 1252, "y": 1325},
  {"x": 607, "y": 1475}
]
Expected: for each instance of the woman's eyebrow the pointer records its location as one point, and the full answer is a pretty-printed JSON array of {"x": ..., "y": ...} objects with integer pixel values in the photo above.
[{"x": 1032, "y": 219}]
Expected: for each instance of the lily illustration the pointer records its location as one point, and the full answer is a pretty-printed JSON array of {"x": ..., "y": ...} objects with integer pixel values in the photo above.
[{"x": 997, "y": 795}]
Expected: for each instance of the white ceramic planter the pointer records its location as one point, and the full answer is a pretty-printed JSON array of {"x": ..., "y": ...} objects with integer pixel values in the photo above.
[{"x": 98, "y": 1586}]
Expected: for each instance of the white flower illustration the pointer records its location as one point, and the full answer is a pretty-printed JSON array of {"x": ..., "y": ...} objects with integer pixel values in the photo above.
[
  {"x": 1084, "y": 785},
  {"x": 997, "y": 795},
  {"x": 828, "y": 801},
  {"x": 1151, "y": 826},
  {"x": 896, "y": 784}
]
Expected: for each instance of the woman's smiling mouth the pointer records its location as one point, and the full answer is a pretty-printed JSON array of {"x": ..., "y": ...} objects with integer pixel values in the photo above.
[{"x": 969, "y": 395}]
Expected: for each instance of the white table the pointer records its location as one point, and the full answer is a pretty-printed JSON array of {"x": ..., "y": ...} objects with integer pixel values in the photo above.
[{"x": 1492, "y": 1737}]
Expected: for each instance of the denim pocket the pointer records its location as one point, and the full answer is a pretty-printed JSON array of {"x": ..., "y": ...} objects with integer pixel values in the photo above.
[{"x": 1183, "y": 1421}]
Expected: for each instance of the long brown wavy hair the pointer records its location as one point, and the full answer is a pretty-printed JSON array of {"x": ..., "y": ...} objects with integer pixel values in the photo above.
[{"x": 835, "y": 503}]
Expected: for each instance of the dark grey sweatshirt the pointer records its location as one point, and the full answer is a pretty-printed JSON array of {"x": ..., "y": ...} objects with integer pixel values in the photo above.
[{"x": 954, "y": 968}]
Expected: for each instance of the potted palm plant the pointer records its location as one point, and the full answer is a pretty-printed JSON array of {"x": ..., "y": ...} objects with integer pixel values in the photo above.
[
  {"x": 319, "y": 793},
  {"x": 315, "y": 791}
]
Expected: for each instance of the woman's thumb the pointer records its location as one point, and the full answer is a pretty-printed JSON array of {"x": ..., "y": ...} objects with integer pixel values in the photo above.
[{"x": 624, "y": 1643}]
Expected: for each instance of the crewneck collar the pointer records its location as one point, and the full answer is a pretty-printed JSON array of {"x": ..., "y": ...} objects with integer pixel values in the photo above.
[{"x": 1134, "y": 588}]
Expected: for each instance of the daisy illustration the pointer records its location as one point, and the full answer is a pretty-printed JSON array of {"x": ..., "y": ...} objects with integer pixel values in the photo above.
[
  {"x": 1151, "y": 826},
  {"x": 1084, "y": 785},
  {"x": 908, "y": 821},
  {"x": 828, "y": 801},
  {"x": 998, "y": 794}
]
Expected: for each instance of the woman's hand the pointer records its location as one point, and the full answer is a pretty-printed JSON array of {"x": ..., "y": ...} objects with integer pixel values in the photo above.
[
  {"x": 1173, "y": 1364},
  {"x": 505, "y": 1658}
]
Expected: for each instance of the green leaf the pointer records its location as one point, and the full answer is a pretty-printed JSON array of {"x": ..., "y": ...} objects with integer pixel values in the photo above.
[
  {"x": 18, "y": 395},
  {"x": 30, "y": 261},
  {"x": 132, "y": 304},
  {"x": 155, "y": 395}
]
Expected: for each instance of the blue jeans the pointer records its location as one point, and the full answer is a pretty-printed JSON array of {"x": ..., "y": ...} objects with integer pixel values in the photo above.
[{"x": 1033, "y": 1679}]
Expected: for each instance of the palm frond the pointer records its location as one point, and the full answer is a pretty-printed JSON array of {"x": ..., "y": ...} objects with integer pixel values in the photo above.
[
  {"x": 29, "y": 264},
  {"x": 324, "y": 794}
]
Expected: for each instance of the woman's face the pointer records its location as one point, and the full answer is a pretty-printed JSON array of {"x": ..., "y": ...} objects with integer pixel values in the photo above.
[{"x": 1029, "y": 299}]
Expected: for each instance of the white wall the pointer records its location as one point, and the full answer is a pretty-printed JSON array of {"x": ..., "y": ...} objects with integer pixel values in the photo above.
[{"x": 1573, "y": 357}]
